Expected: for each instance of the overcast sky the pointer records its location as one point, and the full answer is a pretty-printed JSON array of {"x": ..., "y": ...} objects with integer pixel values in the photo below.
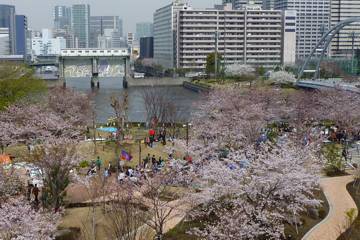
[{"x": 39, "y": 12}]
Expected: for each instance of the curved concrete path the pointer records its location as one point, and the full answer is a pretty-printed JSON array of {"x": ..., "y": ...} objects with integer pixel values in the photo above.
[{"x": 340, "y": 202}]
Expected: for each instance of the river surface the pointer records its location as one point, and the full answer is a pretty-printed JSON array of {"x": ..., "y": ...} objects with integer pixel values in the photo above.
[{"x": 184, "y": 99}]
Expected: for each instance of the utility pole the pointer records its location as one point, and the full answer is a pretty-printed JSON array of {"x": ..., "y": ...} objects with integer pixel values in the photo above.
[
  {"x": 187, "y": 135},
  {"x": 140, "y": 152},
  {"x": 216, "y": 53},
  {"x": 94, "y": 129},
  {"x": 224, "y": 38},
  {"x": 352, "y": 51}
]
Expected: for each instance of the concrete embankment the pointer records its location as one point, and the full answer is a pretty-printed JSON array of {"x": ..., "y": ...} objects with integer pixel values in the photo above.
[
  {"x": 196, "y": 87},
  {"x": 143, "y": 82}
]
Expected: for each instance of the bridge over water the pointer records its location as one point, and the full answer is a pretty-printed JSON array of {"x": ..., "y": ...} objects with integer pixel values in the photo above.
[
  {"x": 327, "y": 84},
  {"x": 93, "y": 63}
]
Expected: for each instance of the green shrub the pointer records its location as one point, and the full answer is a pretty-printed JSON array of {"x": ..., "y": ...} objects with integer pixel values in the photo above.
[
  {"x": 84, "y": 164},
  {"x": 335, "y": 164}
]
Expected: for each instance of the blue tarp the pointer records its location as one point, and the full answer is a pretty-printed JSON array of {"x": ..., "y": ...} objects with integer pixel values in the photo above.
[{"x": 107, "y": 129}]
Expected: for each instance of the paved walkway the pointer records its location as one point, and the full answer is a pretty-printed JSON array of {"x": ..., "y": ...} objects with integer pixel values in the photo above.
[{"x": 340, "y": 202}]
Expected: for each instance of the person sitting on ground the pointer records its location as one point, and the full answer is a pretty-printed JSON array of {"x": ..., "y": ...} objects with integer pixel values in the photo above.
[
  {"x": 155, "y": 167},
  {"x": 121, "y": 177},
  {"x": 153, "y": 160},
  {"x": 106, "y": 173},
  {"x": 130, "y": 172},
  {"x": 92, "y": 169},
  {"x": 160, "y": 163}
]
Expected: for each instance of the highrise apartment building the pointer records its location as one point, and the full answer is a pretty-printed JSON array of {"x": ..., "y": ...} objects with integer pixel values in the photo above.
[
  {"x": 165, "y": 33},
  {"x": 268, "y": 4},
  {"x": 7, "y": 20},
  {"x": 313, "y": 18},
  {"x": 80, "y": 22},
  {"x": 98, "y": 25},
  {"x": 21, "y": 32},
  {"x": 238, "y": 4},
  {"x": 248, "y": 36},
  {"x": 349, "y": 37},
  {"x": 144, "y": 29}
]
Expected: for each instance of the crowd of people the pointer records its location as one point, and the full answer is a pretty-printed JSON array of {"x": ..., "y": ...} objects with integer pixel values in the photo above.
[{"x": 150, "y": 165}]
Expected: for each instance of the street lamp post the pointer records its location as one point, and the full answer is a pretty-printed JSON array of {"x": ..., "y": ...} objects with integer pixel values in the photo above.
[
  {"x": 187, "y": 125},
  {"x": 216, "y": 53}
]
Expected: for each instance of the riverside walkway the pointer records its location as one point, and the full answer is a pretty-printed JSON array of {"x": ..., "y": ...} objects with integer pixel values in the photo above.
[{"x": 340, "y": 202}]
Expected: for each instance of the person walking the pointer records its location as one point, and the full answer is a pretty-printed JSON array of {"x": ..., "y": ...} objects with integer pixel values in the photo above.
[
  {"x": 345, "y": 154},
  {"x": 36, "y": 191},
  {"x": 29, "y": 190},
  {"x": 146, "y": 160}
]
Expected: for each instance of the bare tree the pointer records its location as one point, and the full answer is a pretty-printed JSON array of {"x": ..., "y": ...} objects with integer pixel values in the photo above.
[
  {"x": 125, "y": 216},
  {"x": 161, "y": 208},
  {"x": 159, "y": 106},
  {"x": 56, "y": 159},
  {"x": 98, "y": 190},
  {"x": 120, "y": 107}
]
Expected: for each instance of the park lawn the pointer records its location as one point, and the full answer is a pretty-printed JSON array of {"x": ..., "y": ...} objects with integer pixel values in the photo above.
[
  {"x": 106, "y": 151},
  {"x": 20, "y": 152},
  {"x": 81, "y": 219}
]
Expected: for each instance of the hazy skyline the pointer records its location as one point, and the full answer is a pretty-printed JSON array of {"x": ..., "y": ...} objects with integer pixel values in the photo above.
[{"x": 40, "y": 12}]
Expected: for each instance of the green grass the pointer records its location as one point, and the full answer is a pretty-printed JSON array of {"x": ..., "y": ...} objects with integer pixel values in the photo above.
[{"x": 179, "y": 232}]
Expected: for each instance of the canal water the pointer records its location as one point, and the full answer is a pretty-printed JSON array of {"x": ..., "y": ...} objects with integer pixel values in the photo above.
[{"x": 184, "y": 99}]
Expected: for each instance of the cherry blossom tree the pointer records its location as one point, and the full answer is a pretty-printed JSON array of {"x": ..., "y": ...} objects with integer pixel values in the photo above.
[
  {"x": 239, "y": 70},
  {"x": 65, "y": 114},
  {"x": 251, "y": 186},
  {"x": 251, "y": 194},
  {"x": 282, "y": 77},
  {"x": 20, "y": 221},
  {"x": 10, "y": 185},
  {"x": 74, "y": 107},
  {"x": 29, "y": 123}
]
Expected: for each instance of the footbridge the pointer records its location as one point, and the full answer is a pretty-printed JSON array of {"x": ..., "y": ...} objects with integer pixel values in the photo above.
[
  {"x": 327, "y": 84},
  {"x": 94, "y": 63},
  {"x": 322, "y": 47}
]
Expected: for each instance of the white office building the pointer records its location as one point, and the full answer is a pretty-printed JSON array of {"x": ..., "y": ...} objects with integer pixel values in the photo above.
[
  {"x": 47, "y": 45},
  {"x": 248, "y": 36},
  {"x": 313, "y": 19},
  {"x": 348, "y": 37},
  {"x": 4, "y": 41},
  {"x": 165, "y": 33}
]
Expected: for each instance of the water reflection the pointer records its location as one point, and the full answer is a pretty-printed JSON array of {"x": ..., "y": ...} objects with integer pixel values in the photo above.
[{"x": 184, "y": 99}]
